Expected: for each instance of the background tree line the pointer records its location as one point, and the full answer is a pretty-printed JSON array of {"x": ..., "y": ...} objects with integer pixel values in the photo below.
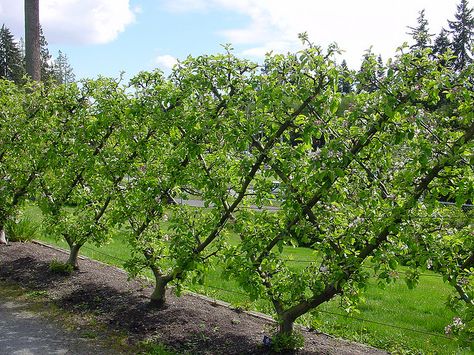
[
  {"x": 457, "y": 40},
  {"x": 13, "y": 65}
]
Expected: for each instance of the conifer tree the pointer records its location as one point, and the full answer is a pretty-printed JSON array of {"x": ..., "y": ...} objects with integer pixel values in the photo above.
[
  {"x": 441, "y": 43},
  {"x": 420, "y": 33},
  {"x": 63, "y": 72},
  {"x": 344, "y": 83},
  {"x": 380, "y": 68},
  {"x": 47, "y": 71},
  {"x": 462, "y": 30},
  {"x": 11, "y": 62}
]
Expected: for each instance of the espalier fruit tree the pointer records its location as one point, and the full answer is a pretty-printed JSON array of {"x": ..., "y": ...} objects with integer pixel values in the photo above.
[{"x": 386, "y": 161}]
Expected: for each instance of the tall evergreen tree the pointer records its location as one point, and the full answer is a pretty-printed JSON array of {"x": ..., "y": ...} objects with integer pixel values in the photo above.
[
  {"x": 63, "y": 72},
  {"x": 11, "y": 61},
  {"x": 380, "y": 68},
  {"x": 441, "y": 43},
  {"x": 344, "y": 81},
  {"x": 462, "y": 30},
  {"x": 47, "y": 71},
  {"x": 420, "y": 33}
]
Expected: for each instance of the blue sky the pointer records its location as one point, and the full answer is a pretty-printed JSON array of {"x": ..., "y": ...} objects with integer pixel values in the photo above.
[{"x": 105, "y": 37}]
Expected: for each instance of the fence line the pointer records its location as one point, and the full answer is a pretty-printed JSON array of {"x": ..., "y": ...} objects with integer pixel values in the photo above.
[
  {"x": 288, "y": 260},
  {"x": 353, "y": 317},
  {"x": 387, "y": 325}
]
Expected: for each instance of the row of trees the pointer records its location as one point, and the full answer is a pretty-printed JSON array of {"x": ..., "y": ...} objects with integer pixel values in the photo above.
[
  {"x": 458, "y": 40},
  {"x": 99, "y": 155},
  {"x": 13, "y": 63}
]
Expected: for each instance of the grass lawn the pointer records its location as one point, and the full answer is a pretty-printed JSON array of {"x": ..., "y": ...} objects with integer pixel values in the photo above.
[{"x": 417, "y": 317}]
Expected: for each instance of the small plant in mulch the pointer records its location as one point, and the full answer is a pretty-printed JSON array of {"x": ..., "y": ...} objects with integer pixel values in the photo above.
[
  {"x": 37, "y": 293},
  {"x": 240, "y": 307},
  {"x": 150, "y": 347},
  {"x": 22, "y": 230},
  {"x": 60, "y": 268},
  {"x": 283, "y": 342}
]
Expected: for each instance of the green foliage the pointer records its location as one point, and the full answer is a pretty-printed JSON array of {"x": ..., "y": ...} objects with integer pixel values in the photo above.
[
  {"x": 22, "y": 230},
  {"x": 282, "y": 342},
  {"x": 25, "y": 124},
  {"x": 462, "y": 326},
  {"x": 150, "y": 347},
  {"x": 90, "y": 117},
  {"x": 353, "y": 199},
  {"x": 60, "y": 268}
]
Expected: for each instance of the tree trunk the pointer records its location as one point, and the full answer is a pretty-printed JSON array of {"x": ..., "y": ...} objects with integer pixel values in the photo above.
[
  {"x": 158, "y": 297},
  {"x": 3, "y": 236},
  {"x": 286, "y": 325},
  {"x": 73, "y": 254},
  {"x": 32, "y": 39},
  {"x": 287, "y": 317}
]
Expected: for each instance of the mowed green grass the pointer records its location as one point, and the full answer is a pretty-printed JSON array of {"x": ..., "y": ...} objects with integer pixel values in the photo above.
[{"x": 395, "y": 318}]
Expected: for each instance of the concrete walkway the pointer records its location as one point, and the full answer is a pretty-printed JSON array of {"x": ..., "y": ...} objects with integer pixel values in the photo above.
[
  {"x": 22, "y": 332},
  {"x": 200, "y": 203}
]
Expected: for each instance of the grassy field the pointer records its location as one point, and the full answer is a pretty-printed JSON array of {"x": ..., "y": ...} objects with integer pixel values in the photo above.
[{"x": 394, "y": 318}]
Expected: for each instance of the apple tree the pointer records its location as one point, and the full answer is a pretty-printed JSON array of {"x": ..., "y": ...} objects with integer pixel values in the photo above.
[
  {"x": 353, "y": 198},
  {"x": 75, "y": 194}
]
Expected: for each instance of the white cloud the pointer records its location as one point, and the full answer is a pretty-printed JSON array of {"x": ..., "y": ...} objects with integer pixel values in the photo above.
[
  {"x": 73, "y": 21},
  {"x": 186, "y": 5},
  {"x": 354, "y": 25},
  {"x": 271, "y": 46},
  {"x": 166, "y": 61}
]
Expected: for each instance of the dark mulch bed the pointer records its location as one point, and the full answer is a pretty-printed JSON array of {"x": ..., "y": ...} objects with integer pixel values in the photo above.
[{"x": 188, "y": 323}]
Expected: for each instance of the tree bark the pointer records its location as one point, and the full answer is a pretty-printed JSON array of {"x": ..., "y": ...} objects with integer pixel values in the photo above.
[
  {"x": 32, "y": 39},
  {"x": 289, "y": 315},
  {"x": 158, "y": 297},
  {"x": 3, "y": 236},
  {"x": 73, "y": 254},
  {"x": 286, "y": 325}
]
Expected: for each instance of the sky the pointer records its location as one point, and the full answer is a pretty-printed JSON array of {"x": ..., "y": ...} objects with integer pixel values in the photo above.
[{"x": 106, "y": 37}]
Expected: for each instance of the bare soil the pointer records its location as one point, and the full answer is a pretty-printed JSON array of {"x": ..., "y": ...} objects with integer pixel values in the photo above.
[{"x": 187, "y": 324}]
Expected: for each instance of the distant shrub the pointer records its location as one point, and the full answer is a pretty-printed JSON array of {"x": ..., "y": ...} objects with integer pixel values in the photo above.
[
  {"x": 23, "y": 230},
  {"x": 58, "y": 267}
]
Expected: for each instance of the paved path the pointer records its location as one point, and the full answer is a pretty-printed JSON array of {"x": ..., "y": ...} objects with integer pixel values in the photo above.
[
  {"x": 200, "y": 203},
  {"x": 25, "y": 333}
]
